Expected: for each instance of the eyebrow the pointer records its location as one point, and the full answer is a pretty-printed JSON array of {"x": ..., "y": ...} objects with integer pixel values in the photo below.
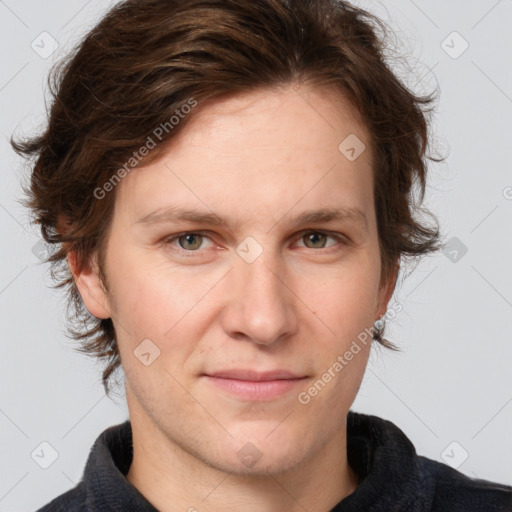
[{"x": 322, "y": 215}]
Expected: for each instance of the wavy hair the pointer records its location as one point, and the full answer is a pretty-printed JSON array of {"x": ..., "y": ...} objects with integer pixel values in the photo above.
[{"x": 146, "y": 59}]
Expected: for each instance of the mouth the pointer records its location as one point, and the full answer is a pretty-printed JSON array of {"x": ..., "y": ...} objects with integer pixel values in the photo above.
[{"x": 252, "y": 385}]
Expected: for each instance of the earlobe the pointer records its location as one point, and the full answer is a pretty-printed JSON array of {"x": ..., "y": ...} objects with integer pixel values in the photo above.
[{"x": 89, "y": 285}]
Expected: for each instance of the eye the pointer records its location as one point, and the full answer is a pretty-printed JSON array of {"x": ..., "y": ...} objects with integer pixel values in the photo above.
[
  {"x": 317, "y": 239},
  {"x": 188, "y": 242}
]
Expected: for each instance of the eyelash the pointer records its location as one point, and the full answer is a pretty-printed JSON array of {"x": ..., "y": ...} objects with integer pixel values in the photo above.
[{"x": 326, "y": 250}]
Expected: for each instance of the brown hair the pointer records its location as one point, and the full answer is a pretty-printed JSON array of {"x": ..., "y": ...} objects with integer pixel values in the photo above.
[{"x": 147, "y": 59}]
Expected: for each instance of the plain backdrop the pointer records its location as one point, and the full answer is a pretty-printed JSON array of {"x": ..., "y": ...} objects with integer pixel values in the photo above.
[{"x": 450, "y": 390}]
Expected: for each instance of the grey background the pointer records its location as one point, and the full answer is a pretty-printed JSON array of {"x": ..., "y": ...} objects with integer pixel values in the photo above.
[{"x": 452, "y": 383}]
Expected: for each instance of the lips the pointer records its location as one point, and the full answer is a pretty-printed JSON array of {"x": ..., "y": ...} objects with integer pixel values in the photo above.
[
  {"x": 256, "y": 376},
  {"x": 255, "y": 386}
]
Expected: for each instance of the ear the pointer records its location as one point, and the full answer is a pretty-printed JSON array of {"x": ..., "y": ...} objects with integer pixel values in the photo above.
[
  {"x": 89, "y": 285},
  {"x": 386, "y": 292}
]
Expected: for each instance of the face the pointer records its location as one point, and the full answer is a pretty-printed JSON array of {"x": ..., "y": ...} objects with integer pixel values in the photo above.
[{"x": 262, "y": 291}]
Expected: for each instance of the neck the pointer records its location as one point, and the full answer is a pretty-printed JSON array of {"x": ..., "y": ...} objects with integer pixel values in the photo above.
[{"x": 173, "y": 479}]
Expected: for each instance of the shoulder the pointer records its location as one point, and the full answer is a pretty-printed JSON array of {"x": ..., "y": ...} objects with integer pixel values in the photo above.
[
  {"x": 456, "y": 492},
  {"x": 395, "y": 477}
]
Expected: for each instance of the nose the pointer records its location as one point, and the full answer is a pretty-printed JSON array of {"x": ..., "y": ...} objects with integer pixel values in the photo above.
[{"x": 261, "y": 305}]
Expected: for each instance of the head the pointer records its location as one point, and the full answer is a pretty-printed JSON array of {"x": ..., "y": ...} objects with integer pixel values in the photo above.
[{"x": 253, "y": 113}]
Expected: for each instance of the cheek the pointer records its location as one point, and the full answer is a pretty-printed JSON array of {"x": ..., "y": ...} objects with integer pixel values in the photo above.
[
  {"x": 144, "y": 301},
  {"x": 166, "y": 305},
  {"x": 344, "y": 299},
  {"x": 347, "y": 309},
  {"x": 151, "y": 315}
]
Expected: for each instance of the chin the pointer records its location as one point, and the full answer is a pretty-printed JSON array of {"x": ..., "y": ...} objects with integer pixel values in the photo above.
[
  {"x": 262, "y": 454},
  {"x": 269, "y": 464}
]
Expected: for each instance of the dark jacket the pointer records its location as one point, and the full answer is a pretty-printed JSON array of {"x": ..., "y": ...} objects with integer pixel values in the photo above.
[{"x": 393, "y": 477}]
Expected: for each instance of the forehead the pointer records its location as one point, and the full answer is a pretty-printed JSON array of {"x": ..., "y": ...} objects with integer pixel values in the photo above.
[
  {"x": 308, "y": 115},
  {"x": 254, "y": 151}
]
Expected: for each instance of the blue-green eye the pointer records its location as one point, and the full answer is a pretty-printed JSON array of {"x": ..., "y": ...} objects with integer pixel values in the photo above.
[
  {"x": 318, "y": 237},
  {"x": 189, "y": 243}
]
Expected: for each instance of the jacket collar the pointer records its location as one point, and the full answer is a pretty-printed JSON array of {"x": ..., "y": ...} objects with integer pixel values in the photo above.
[{"x": 377, "y": 450}]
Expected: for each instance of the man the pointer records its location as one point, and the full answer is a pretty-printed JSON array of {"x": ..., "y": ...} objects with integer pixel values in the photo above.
[{"x": 272, "y": 138}]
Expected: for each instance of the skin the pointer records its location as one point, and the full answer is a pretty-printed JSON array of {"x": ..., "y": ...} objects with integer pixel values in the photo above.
[{"x": 257, "y": 160}]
